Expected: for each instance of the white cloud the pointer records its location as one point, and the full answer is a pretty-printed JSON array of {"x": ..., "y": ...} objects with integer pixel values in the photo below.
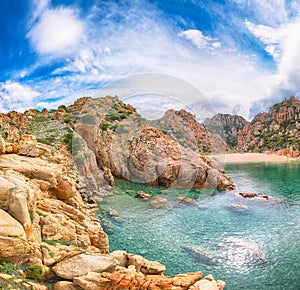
[
  {"x": 283, "y": 44},
  {"x": 267, "y": 12},
  {"x": 198, "y": 39},
  {"x": 58, "y": 32},
  {"x": 39, "y": 7},
  {"x": 15, "y": 96}
]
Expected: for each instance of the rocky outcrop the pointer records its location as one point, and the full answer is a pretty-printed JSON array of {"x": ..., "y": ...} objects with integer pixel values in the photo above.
[
  {"x": 155, "y": 158},
  {"x": 13, "y": 240},
  {"x": 124, "y": 271},
  {"x": 226, "y": 126},
  {"x": 277, "y": 130},
  {"x": 39, "y": 201}
]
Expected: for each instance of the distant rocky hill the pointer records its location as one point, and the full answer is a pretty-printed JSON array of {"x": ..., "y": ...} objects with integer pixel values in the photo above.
[
  {"x": 226, "y": 126},
  {"x": 187, "y": 131},
  {"x": 278, "y": 130}
]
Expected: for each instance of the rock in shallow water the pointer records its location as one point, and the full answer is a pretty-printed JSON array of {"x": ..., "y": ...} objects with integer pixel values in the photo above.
[
  {"x": 238, "y": 252},
  {"x": 238, "y": 208},
  {"x": 203, "y": 255},
  {"x": 159, "y": 202}
]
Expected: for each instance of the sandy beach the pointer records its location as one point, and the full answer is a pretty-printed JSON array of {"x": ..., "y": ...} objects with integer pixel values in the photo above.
[{"x": 252, "y": 158}]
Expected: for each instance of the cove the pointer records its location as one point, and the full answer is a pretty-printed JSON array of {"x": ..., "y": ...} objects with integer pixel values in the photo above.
[{"x": 162, "y": 234}]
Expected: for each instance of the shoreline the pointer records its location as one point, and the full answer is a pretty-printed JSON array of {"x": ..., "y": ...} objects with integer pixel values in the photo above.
[{"x": 251, "y": 158}]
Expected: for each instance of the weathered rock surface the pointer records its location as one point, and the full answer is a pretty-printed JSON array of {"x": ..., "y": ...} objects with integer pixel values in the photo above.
[
  {"x": 185, "y": 129},
  {"x": 136, "y": 151},
  {"x": 13, "y": 239},
  {"x": 82, "y": 264},
  {"x": 145, "y": 266},
  {"x": 130, "y": 279},
  {"x": 208, "y": 283}
]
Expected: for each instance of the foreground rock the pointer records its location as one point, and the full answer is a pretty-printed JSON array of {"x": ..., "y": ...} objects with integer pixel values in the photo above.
[
  {"x": 82, "y": 264},
  {"x": 131, "y": 271},
  {"x": 255, "y": 195}
]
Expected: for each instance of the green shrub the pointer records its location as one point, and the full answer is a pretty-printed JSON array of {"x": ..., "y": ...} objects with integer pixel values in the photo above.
[
  {"x": 9, "y": 267},
  {"x": 68, "y": 140},
  {"x": 104, "y": 126},
  {"x": 35, "y": 271},
  {"x": 115, "y": 117},
  {"x": 40, "y": 119}
]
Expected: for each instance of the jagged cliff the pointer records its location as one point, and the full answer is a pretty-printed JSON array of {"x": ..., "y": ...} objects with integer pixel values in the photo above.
[
  {"x": 226, "y": 126},
  {"x": 278, "y": 130}
]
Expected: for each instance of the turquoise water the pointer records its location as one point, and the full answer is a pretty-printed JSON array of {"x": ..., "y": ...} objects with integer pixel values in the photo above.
[{"x": 159, "y": 234}]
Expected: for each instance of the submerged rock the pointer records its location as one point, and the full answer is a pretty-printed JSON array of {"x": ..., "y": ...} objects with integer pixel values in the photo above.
[
  {"x": 115, "y": 215},
  {"x": 143, "y": 195},
  {"x": 238, "y": 208},
  {"x": 187, "y": 200},
  {"x": 203, "y": 255},
  {"x": 238, "y": 252},
  {"x": 254, "y": 195},
  {"x": 159, "y": 202}
]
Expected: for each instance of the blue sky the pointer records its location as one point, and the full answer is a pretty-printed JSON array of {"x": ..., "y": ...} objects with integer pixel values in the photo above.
[{"x": 243, "y": 55}]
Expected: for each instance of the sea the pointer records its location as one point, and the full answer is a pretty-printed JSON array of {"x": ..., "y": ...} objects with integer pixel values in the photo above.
[{"x": 162, "y": 234}]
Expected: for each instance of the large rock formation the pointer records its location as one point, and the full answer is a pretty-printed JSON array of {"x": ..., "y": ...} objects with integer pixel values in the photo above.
[
  {"x": 226, "y": 126},
  {"x": 277, "y": 130},
  {"x": 136, "y": 151}
]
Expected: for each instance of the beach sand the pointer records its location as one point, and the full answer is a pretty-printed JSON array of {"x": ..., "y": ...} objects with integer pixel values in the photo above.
[{"x": 252, "y": 158}]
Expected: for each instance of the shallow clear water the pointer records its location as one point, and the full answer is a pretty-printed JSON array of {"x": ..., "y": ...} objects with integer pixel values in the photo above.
[{"x": 159, "y": 234}]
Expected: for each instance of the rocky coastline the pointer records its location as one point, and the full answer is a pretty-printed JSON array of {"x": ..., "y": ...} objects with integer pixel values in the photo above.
[
  {"x": 56, "y": 165},
  {"x": 49, "y": 230}
]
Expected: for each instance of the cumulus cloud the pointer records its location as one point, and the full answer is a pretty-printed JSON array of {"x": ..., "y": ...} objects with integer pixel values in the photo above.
[
  {"x": 283, "y": 44},
  {"x": 198, "y": 39},
  {"x": 15, "y": 96},
  {"x": 57, "y": 32}
]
